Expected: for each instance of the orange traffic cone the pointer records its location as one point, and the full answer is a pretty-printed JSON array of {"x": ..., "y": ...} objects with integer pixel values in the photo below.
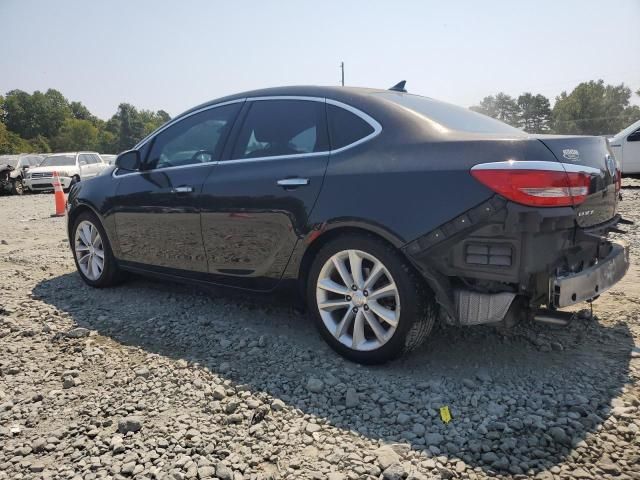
[{"x": 60, "y": 200}]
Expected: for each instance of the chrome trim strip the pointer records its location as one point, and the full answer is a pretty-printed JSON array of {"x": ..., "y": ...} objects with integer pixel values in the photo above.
[
  {"x": 537, "y": 165},
  {"x": 275, "y": 157},
  {"x": 113, "y": 173},
  {"x": 377, "y": 129},
  {"x": 287, "y": 97}
]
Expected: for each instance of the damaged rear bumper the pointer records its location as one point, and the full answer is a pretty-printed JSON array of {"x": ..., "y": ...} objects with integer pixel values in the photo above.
[{"x": 592, "y": 281}]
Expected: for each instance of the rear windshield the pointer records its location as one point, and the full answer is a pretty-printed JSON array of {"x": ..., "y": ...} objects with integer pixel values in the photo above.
[
  {"x": 58, "y": 161},
  {"x": 449, "y": 116}
]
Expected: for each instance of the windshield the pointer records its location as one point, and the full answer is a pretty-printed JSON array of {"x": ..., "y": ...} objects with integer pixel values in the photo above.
[
  {"x": 58, "y": 161},
  {"x": 449, "y": 117},
  {"x": 10, "y": 160}
]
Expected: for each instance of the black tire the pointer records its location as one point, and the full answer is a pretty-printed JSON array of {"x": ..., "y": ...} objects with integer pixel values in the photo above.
[
  {"x": 17, "y": 187},
  {"x": 111, "y": 274},
  {"x": 75, "y": 179},
  {"x": 418, "y": 308}
]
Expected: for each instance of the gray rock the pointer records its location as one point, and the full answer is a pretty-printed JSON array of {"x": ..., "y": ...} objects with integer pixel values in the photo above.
[
  {"x": 38, "y": 445},
  {"x": 403, "y": 419},
  {"x": 433, "y": 438},
  {"x": 489, "y": 458},
  {"x": 394, "y": 472},
  {"x": 418, "y": 429},
  {"x": 559, "y": 435},
  {"x": 223, "y": 472},
  {"x": 142, "y": 372},
  {"x": 206, "y": 472},
  {"x": 467, "y": 382},
  {"x": 386, "y": 457},
  {"x": 219, "y": 393},
  {"x": 352, "y": 399},
  {"x": 315, "y": 385},
  {"x": 78, "y": 332},
  {"x": 130, "y": 424},
  {"x": 277, "y": 405}
]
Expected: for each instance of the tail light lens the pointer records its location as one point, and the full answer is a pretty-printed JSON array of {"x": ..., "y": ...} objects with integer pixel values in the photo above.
[{"x": 544, "y": 185}]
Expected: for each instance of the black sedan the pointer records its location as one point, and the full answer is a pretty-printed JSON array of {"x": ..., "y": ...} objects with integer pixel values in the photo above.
[{"x": 388, "y": 210}]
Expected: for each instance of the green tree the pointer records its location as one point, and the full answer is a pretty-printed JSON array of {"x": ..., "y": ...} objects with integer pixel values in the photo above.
[
  {"x": 593, "y": 108},
  {"x": 501, "y": 106},
  {"x": 40, "y": 144},
  {"x": 534, "y": 113},
  {"x": 80, "y": 112},
  {"x": 76, "y": 134},
  {"x": 36, "y": 114},
  {"x": 11, "y": 142}
]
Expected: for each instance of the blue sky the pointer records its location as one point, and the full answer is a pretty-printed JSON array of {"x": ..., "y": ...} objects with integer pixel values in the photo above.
[{"x": 175, "y": 54}]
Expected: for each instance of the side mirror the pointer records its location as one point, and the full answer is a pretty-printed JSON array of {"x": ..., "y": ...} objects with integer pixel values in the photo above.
[
  {"x": 129, "y": 160},
  {"x": 82, "y": 163}
]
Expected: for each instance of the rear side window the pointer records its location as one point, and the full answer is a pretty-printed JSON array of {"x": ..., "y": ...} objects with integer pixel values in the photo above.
[
  {"x": 451, "y": 117},
  {"x": 345, "y": 127},
  {"x": 282, "y": 127}
]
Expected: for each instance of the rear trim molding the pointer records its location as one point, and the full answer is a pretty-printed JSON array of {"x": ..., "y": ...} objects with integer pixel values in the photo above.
[{"x": 537, "y": 165}]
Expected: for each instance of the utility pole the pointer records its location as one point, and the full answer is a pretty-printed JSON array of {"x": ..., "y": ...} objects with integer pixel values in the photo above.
[{"x": 342, "y": 68}]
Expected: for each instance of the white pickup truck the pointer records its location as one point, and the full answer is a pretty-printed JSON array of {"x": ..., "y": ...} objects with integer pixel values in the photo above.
[
  {"x": 626, "y": 148},
  {"x": 72, "y": 167}
]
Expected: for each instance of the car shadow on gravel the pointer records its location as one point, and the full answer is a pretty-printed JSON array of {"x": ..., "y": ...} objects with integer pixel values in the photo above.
[{"x": 520, "y": 403}]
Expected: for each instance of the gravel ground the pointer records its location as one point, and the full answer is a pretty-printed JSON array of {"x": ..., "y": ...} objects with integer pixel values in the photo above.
[{"x": 158, "y": 380}]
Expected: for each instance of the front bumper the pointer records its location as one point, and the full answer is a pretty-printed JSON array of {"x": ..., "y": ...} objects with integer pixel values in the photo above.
[
  {"x": 592, "y": 281},
  {"x": 46, "y": 183}
]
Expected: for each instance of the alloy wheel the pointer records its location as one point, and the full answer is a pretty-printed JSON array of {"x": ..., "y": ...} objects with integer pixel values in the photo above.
[
  {"x": 358, "y": 300},
  {"x": 89, "y": 250}
]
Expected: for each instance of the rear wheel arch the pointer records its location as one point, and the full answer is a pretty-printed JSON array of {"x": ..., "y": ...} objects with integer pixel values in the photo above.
[{"x": 335, "y": 232}]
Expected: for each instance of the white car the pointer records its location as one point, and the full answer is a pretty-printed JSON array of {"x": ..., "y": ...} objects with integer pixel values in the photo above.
[
  {"x": 71, "y": 167},
  {"x": 108, "y": 158},
  {"x": 626, "y": 148}
]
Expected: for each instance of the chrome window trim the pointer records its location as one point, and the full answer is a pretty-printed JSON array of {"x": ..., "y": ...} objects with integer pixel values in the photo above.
[
  {"x": 377, "y": 129},
  {"x": 173, "y": 121},
  {"x": 537, "y": 165},
  {"x": 163, "y": 169}
]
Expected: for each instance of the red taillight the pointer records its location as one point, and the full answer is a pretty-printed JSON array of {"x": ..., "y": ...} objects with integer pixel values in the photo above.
[
  {"x": 540, "y": 188},
  {"x": 618, "y": 180}
]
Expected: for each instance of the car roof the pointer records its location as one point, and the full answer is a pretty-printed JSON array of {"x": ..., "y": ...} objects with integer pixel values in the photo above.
[
  {"x": 333, "y": 92},
  {"x": 69, "y": 153}
]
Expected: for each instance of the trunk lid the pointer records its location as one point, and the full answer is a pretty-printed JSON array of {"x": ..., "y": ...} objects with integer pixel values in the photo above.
[{"x": 591, "y": 154}]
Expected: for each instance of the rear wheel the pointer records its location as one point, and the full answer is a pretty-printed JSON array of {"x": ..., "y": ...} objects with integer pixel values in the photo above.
[
  {"x": 367, "y": 301},
  {"x": 92, "y": 252}
]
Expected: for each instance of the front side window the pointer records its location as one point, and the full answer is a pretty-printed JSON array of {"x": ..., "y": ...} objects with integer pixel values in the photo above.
[
  {"x": 85, "y": 158},
  {"x": 634, "y": 137},
  {"x": 345, "y": 127},
  {"x": 196, "y": 139},
  {"x": 282, "y": 127}
]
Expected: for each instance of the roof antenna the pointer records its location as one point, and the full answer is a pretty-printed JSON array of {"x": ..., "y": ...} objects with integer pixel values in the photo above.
[{"x": 399, "y": 87}]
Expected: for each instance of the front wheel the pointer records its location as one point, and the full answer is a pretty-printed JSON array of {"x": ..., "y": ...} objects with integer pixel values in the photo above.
[
  {"x": 92, "y": 252},
  {"x": 17, "y": 187},
  {"x": 367, "y": 300}
]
